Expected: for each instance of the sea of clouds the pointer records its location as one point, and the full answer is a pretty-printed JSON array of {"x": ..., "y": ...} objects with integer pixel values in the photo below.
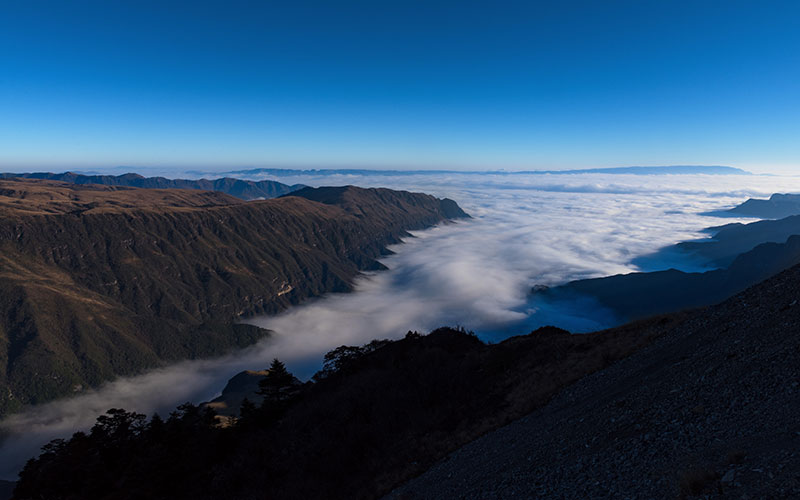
[{"x": 526, "y": 230}]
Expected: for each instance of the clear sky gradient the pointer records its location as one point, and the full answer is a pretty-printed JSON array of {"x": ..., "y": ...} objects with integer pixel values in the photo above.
[{"x": 414, "y": 84}]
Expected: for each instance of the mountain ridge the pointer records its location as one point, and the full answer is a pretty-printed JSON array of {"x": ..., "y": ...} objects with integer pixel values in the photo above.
[
  {"x": 243, "y": 189},
  {"x": 102, "y": 281}
]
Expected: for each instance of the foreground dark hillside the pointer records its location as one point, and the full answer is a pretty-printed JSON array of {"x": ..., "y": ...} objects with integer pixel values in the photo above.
[
  {"x": 100, "y": 281},
  {"x": 709, "y": 410},
  {"x": 677, "y": 406},
  {"x": 372, "y": 421}
]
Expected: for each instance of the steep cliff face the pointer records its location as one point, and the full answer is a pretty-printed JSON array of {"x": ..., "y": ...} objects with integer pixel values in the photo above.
[{"x": 97, "y": 282}]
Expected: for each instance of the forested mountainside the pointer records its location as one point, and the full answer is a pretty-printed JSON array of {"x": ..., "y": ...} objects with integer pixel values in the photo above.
[
  {"x": 700, "y": 404},
  {"x": 101, "y": 281},
  {"x": 244, "y": 189}
]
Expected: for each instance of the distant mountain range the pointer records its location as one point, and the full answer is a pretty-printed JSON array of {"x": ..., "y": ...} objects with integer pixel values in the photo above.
[
  {"x": 654, "y": 170},
  {"x": 666, "y": 170},
  {"x": 98, "y": 281},
  {"x": 244, "y": 189}
]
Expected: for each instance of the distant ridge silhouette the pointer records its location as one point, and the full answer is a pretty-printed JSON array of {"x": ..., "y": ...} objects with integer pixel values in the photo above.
[{"x": 635, "y": 170}]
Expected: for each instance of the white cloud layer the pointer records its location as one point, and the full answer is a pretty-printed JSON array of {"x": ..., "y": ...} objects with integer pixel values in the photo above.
[{"x": 527, "y": 230}]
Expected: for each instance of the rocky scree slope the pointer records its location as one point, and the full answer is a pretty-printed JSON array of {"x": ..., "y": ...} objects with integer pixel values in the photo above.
[
  {"x": 709, "y": 410},
  {"x": 99, "y": 281}
]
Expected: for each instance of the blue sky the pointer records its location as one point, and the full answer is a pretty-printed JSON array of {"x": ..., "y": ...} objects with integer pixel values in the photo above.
[{"x": 470, "y": 85}]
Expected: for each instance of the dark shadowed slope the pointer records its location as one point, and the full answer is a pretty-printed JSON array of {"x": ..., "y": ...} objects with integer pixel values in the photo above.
[
  {"x": 244, "y": 189},
  {"x": 710, "y": 408},
  {"x": 100, "y": 281},
  {"x": 378, "y": 419}
]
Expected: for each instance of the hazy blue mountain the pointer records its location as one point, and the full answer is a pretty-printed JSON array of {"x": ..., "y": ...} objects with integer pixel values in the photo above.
[
  {"x": 730, "y": 240},
  {"x": 723, "y": 245},
  {"x": 777, "y": 206},
  {"x": 638, "y": 295}
]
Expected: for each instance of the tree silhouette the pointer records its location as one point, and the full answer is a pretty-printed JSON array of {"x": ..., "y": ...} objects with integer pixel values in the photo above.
[
  {"x": 344, "y": 356},
  {"x": 118, "y": 424},
  {"x": 277, "y": 385}
]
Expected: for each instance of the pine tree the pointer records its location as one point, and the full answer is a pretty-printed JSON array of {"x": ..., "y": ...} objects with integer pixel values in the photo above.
[{"x": 275, "y": 386}]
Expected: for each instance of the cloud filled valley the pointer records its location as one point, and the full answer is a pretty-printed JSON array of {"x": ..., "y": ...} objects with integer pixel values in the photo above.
[{"x": 526, "y": 230}]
